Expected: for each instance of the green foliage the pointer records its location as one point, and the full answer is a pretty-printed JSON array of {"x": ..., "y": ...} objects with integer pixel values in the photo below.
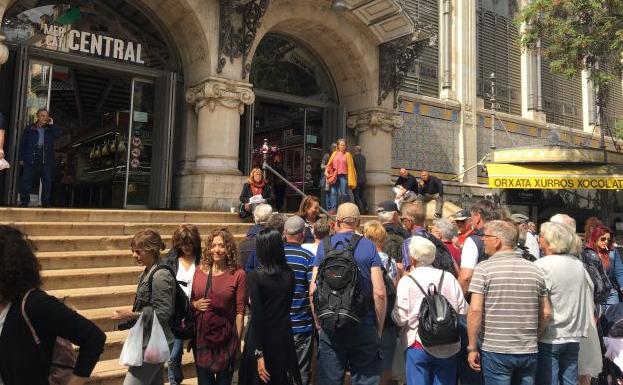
[
  {"x": 618, "y": 130},
  {"x": 580, "y": 34}
]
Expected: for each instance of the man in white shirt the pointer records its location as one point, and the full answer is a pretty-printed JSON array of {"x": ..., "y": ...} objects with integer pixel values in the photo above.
[{"x": 473, "y": 252}]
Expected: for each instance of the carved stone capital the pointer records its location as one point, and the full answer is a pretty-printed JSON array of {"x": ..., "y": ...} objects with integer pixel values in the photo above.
[
  {"x": 4, "y": 51},
  {"x": 375, "y": 119},
  {"x": 223, "y": 92}
]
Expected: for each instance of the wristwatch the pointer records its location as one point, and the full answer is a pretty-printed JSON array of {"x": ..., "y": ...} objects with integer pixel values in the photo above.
[
  {"x": 258, "y": 354},
  {"x": 472, "y": 350}
]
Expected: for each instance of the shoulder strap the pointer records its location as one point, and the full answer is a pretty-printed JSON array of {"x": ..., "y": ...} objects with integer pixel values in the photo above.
[
  {"x": 208, "y": 284},
  {"x": 440, "y": 282},
  {"x": 354, "y": 241},
  {"x": 327, "y": 245},
  {"x": 418, "y": 285},
  {"x": 25, "y": 316}
]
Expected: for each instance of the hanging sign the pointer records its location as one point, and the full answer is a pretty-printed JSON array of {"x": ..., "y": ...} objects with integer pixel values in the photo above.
[{"x": 63, "y": 39}]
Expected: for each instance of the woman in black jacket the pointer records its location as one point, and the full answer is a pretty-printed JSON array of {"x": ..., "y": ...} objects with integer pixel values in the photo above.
[
  {"x": 22, "y": 360},
  {"x": 183, "y": 258},
  {"x": 256, "y": 185}
]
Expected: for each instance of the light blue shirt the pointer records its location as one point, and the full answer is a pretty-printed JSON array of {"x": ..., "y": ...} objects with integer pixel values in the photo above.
[{"x": 41, "y": 132}]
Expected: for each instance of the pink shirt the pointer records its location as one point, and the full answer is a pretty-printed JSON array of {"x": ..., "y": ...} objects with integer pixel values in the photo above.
[{"x": 339, "y": 162}]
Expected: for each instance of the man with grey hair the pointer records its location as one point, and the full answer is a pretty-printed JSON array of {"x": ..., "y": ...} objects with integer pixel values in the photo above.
[
  {"x": 438, "y": 361},
  {"x": 446, "y": 231},
  {"x": 388, "y": 215},
  {"x": 569, "y": 221},
  {"x": 261, "y": 213},
  {"x": 275, "y": 221},
  {"x": 570, "y": 292},
  {"x": 509, "y": 304}
]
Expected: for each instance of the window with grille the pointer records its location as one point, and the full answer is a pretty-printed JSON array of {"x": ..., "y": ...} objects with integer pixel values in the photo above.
[
  {"x": 499, "y": 53},
  {"x": 424, "y": 77},
  {"x": 562, "y": 97},
  {"x": 614, "y": 104}
]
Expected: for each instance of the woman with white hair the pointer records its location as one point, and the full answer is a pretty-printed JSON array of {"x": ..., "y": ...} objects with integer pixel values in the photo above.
[
  {"x": 571, "y": 294},
  {"x": 426, "y": 365}
]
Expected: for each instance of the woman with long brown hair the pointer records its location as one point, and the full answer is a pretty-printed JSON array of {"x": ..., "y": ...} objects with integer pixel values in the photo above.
[
  {"x": 183, "y": 259},
  {"x": 218, "y": 299},
  {"x": 256, "y": 186},
  {"x": 309, "y": 210}
]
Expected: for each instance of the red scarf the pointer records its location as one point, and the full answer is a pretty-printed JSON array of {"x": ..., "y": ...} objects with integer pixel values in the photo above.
[{"x": 257, "y": 188}]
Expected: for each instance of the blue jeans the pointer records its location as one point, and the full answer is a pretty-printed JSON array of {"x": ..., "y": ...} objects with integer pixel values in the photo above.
[
  {"x": 558, "y": 364},
  {"x": 357, "y": 349},
  {"x": 175, "y": 363},
  {"x": 339, "y": 192},
  {"x": 34, "y": 173},
  {"x": 208, "y": 378},
  {"x": 508, "y": 369},
  {"x": 424, "y": 369}
]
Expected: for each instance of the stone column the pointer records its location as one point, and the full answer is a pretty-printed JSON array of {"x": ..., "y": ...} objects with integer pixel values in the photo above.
[
  {"x": 465, "y": 62},
  {"x": 445, "y": 50},
  {"x": 374, "y": 128},
  {"x": 219, "y": 103},
  {"x": 215, "y": 181}
]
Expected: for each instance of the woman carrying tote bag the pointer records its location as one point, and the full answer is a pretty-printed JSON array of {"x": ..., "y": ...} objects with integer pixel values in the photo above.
[{"x": 218, "y": 299}]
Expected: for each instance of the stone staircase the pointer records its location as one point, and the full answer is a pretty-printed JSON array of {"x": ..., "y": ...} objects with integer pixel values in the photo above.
[{"x": 85, "y": 257}]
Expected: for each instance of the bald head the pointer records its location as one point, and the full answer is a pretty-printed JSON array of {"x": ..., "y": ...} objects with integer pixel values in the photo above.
[{"x": 403, "y": 172}]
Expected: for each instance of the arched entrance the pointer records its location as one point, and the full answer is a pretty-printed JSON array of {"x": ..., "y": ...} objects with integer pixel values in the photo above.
[
  {"x": 296, "y": 110},
  {"x": 108, "y": 76}
]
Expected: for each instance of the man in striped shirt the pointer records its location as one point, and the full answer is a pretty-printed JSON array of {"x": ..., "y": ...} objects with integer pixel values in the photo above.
[
  {"x": 509, "y": 302},
  {"x": 301, "y": 262}
]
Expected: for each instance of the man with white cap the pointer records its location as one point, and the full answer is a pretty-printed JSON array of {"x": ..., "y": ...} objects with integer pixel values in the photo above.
[
  {"x": 357, "y": 348},
  {"x": 301, "y": 262}
]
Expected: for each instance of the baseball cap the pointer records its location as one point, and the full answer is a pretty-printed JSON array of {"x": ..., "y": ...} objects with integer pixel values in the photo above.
[
  {"x": 462, "y": 215},
  {"x": 347, "y": 212},
  {"x": 386, "y": 206},
  {"x": 294, "y": 225},
  {"x": 519, "y": 218}
]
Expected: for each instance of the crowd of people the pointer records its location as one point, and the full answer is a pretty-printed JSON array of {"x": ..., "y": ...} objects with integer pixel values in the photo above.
[{"x": 306, "y": 299}]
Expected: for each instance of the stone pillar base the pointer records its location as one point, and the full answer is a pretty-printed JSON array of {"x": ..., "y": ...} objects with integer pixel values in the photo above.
[
  {"x": 208, "y": 192},
  {"x": 376, "y": 194}
]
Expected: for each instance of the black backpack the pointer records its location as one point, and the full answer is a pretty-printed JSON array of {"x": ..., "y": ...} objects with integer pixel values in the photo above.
[
  {"x": 393, "y": 244},
  {"x": 390, "y": 292},
  {"x": 438, "y": 323},
  {"x": 443, "y": 258},
  {"x": 182, "y": 322},
  {"x": 338, "y": 301}
]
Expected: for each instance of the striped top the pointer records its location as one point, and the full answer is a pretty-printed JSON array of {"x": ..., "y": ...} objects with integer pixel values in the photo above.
[
  {"x": 301, "y": 262},
  {"x": 512, "y": 287}
]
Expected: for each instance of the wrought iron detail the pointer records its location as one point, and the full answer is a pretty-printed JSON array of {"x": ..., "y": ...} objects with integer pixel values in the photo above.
[
  {"x": 396, "y": 59},
  {"x": 239, "y": 21}
]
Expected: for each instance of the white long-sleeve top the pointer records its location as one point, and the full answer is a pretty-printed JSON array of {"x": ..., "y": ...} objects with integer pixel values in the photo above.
[{"x": 409, "y": 298}]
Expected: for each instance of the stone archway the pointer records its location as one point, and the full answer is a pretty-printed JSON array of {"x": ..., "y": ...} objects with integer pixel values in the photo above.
[{"x": 347, "y": 47}]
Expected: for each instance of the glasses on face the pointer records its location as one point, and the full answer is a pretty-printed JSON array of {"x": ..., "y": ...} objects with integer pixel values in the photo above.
[
  {"x": 604, "y": 239},
  {"x": 489, "y": 236},
  {"x": 404, "y": 219}
]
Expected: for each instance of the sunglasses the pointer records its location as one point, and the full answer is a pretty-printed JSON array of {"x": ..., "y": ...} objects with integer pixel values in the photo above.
[{"x": 604, "y": 239}]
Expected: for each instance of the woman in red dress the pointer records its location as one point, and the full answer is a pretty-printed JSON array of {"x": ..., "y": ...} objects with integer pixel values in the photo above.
[{"x": 218, "y": 299}]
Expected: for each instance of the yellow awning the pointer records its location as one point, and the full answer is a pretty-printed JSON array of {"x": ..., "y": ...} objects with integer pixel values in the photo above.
[{"x": 554, "y": 176}]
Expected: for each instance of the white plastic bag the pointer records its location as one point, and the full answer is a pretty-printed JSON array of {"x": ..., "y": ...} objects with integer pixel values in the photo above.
[
  {"x": 157, "y": 351},
  {"x": 4, "y": 164},
  {"x": 132, "y": 352}
]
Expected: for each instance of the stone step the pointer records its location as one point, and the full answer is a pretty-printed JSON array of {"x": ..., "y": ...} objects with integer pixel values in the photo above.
[
  {"x": 93, "y": 242},
  {"x": 110, "y": 372},
  {"x": 114, "y": 228},
  {"x": 101, "y": 316},
  {"x": 54, "y": 260},
  {"x": 102, "y": 215},
  {"x": 92, "y": 277},
  {"x": 97, "y": 297}
]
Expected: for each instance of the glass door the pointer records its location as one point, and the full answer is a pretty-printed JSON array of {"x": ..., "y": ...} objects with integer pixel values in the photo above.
[
  {"x": 140, "y": 142},
  {"x": 314, "y": 124}
]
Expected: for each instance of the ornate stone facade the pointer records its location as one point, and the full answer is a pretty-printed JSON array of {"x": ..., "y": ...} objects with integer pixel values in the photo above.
[
  {"x": 222, "y": 92},
  {"x": 373, "y": 120}
]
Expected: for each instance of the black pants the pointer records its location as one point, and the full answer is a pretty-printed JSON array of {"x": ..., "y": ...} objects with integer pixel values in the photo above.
[
  {"x": 35, "y": 173},
  {"x": 280, "y": 195},
  {"x": 359, "y": 196}
]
